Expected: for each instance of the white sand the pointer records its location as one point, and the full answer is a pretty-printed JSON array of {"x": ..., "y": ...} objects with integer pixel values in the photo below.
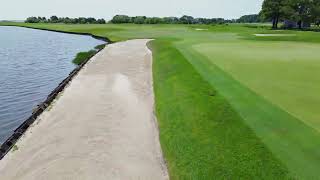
[
  {"x": 102, "y": 127},
  {"x": 199, "y": 29},
  {"x": 274, "y": 35}
]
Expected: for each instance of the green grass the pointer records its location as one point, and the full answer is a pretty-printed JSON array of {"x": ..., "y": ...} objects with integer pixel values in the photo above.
[
  {"x": 292, "y": 141},
  {"x": 201, "y": 135},
  {"x": 83, "y": 56},
  {"x": 286, "y": 74},
  {"x": 211, "y": 83},
  {"x": 99, "y": 47}
]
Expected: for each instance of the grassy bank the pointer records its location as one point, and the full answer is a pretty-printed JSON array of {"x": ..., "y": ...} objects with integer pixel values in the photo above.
[
  {"x": 231, "y": 104},
  {"x": 82, "y": 57}
]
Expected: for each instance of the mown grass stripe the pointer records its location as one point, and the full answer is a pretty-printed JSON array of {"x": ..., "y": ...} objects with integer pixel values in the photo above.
[
  {"x": 293, "y": 142},
  {"x": 201, "y": 135}
]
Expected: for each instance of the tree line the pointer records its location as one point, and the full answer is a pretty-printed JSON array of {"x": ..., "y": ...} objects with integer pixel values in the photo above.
[
  {"x": 121, "y": 19},
  {"x": 252, "y": 18},
  {"x": 294, "y": 13},
  {"x": 66, "y": 20}
]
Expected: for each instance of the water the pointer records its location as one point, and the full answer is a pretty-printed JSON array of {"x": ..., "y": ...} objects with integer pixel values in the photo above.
[{"x": 32, "y": 64}]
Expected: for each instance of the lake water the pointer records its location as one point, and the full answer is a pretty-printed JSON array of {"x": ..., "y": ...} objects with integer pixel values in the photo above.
[{"x": 32, "y": 64}]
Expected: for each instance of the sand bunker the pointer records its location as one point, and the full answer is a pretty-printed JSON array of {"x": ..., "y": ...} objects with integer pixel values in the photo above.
[
  {"x": 198, "y": 29},
  {"x": 274, "y": 35},
  {"x": 102, "y": 127}
]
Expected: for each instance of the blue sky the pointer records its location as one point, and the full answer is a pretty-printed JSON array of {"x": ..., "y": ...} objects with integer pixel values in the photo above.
[{"x": 20, "y": 9}]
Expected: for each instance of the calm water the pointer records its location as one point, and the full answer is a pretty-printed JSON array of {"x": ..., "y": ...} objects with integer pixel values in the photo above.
[{"x": 32, "y": 64}]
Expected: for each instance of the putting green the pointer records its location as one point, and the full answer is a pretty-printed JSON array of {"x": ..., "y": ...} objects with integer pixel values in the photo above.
[
  {"x": 254, "y": 76},
  {"x": 285, "y": 73}
]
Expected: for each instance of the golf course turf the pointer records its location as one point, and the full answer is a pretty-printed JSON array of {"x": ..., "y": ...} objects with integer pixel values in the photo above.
[{"x": 230, "y": 104}]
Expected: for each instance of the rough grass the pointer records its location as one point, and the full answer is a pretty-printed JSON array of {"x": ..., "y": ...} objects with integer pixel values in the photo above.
[
  {"x": 83, "y": 56},
  {"x": 101, "y": 46},
  {"x": 201, "y": 135}
]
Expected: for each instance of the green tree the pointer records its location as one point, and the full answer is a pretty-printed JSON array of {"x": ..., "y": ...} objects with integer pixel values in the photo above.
[
  {"x": 302, "y": 11},
  {"x": 170, "y": 20},
  {"x": 153, "y": 20},
  {"x": 316, "y": 12},
  {"x": 253, "y": 18},
  {"x": 118, "y": 19},
  {"x": 32, "y": 20},
  {"x": 139, "y": 20},
  {"x": 101, "y": 21},
  {"x": 187, "y": 19},
  {"x": 54, "y": 19},
  {"x": 274, "y": 10}
]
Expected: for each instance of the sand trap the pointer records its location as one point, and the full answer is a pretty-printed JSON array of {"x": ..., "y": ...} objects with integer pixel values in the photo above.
[
  {"x": 102, "y": 127},
  {"x": 198, "y": 29},
  {"x": 274, "y": 35}
]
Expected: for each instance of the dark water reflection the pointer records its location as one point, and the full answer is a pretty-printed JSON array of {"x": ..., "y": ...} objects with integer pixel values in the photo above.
[{"x": 32, "y": 64}]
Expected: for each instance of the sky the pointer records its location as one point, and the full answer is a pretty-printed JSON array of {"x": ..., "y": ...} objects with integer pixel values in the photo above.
[{"x": 228, "y": 9}]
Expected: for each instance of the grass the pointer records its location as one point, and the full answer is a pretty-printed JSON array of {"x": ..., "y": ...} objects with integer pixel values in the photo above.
[
  {"x": 291, "y": 140},
  {"x": 83, "y": 56},
  {"x": 230, "y": 105},
  {"x": 201, "y": 135},
  {"x": 100, "y": 47},
  {"x": 286, "y": 74}
]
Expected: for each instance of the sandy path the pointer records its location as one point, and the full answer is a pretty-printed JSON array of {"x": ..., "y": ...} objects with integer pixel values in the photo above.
[{"x": 102, "y": 127}]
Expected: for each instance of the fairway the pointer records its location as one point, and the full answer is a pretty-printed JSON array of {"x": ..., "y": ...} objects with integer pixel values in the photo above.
[{"x": 231, "y": 104}]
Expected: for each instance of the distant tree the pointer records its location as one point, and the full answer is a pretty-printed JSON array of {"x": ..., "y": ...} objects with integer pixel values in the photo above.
[
  {"x": 42, "y": 19},
  {"x": 167, "y": 20},
  {"x": 67, "y": 20},
  {"x": 187, "y": 19},
  {"x": 153, "y": 20},
  {"x": 54, "y": 19},
  {"x": 118, "y": 19},
  {"x": 252, "y": 18},
  {"x": 200, "y": 21},
  {"x": 220, "y": 20},
  {"x": 101, "y": 21},
  {"x": 75, "y": 21},
  {"x": 32, "y": 20},
  {"x": 82, "y": 20},
  {"x": 139, "y": 19},
  {"x": 273, "y": 10},
  {"x": 91, "y": 20},
  {"x": 170, "y": 20}
]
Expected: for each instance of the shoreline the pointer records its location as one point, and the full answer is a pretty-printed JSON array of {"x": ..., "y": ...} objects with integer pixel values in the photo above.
[
  {"x": 8, "y": 144},
  {"x": 105, "y": 39}
]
